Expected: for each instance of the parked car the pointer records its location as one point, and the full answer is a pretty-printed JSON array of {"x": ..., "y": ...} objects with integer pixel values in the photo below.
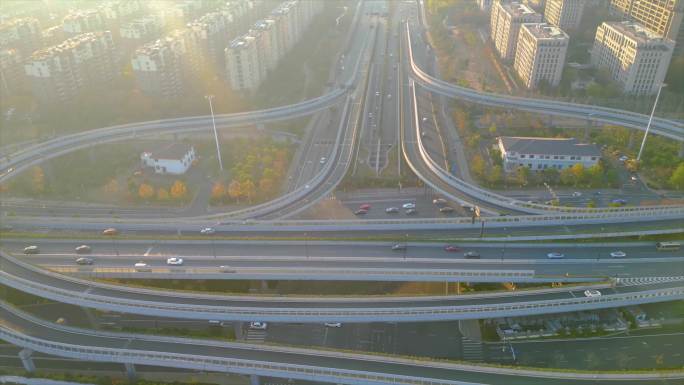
[
  {"x": 31, "y": 249},
  {"x": 110, "y": 231},
  {"x": 633, "y": 178},
  {"x": 439, "y": 201},
  {"x": 411, "y": 212},
  {"x": 409, "y": 205},
  {"x": 555, "y": 255},
  {"x": 618, "y": 254},
  {"x": 451, "y": 248},
  {"x": 623, "y": 158},
  {"x": 208, "y": 231},
  {"x": 258, "y": 325},
  {"x": 333, "y": 324},
  {"x": 83, "y": 249},
  {"x": 392, "y": 210},
  {"x": 471, "y": 255},
  {"x": 360, "y": 212},
  {"x": 446, "y": 209},
  {"x": 399, "y": 246},
  {"x": 84, "y": 261},
  {"x": 174, "y": 261},
  {"x": 592, "y": 293}
]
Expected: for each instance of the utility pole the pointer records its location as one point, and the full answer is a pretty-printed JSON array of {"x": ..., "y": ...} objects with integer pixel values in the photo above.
[
  {"x": 213, "y": 122},
  {"x": 650, "y": 119}
]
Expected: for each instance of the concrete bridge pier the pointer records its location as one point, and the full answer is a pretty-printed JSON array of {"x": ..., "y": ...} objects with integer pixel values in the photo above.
[
  {"x": 27, "y": 360},
  {"x": 681, "y": 150},
  {"x": 253, "y": 379},
  {"x": 130, "y": 370},
  {"x": 238, "y": 329}
]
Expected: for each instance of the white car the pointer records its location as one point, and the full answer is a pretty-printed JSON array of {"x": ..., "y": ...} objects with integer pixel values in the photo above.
[
  {"x": 409, "y": 206},
  {"x": 322, "y": 161},
  {"x": 555, "y": 255},
  {"x": 226, "y": 269},
  {"x": 577, "y": 194},
  {"x": 618, "y": 254},
  {"x": 439, "y": 201},
  {"x": 258, "y": 325},
  {"x": 623, "y": 158},
  {"x": 592, "y": 293},
  {"x": 142, "y": 266},
  {"x": 175, "y": 261},
  {"x": 333, "y": 324},
  {"x": 208, "y": 231}
]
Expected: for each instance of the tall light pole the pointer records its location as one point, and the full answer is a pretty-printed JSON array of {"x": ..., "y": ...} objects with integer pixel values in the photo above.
[
  {"x": 213, "y": 122},
  {"x": 650, "y": 119}
]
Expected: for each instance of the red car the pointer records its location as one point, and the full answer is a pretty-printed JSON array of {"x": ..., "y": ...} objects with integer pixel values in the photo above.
[
  {"x": 365, "y": 206},
  {"x": 451, "y": 248}
]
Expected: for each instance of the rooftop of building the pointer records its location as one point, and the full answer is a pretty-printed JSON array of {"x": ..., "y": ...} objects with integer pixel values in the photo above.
[
  {"x": 241, "y": 42},
  {"x": 516, "y": 8},
  {"x": 68, "y": 45},
  {"x": 173, "y": 151},
  {"x": 19, "y": 21},
  {"x": 546, "y": 31},
  {"x": 80, "y": 13},
  {"x": 637, "y": 32},
  {"x": 548, "y": 146}
]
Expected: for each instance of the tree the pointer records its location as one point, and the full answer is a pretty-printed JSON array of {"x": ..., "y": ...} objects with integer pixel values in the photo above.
[
  {"x": 218, "y": 192},
  {"x": 248, "y": 189},
  {"x": 677, "y": 177},
  {"x": 145, "y": 191},
  {"x": 162, "y": 194},
  {"x": 234, "y": 190},
  {"x": 478, "y": 166},
  {"x": 550, "y": 175},
  {"x": 112, "y": 187},
  {"x": 493, "y": 129},
  {"x": 578, "y": 172},
  {"x": 179, "y": 190},
  {"x": 266, "y": 186},
  {"x": 38, "y": 179},
  {"x": 567, "y": 177},
  {"x": 595, "y": 174},
  {"x": 495, "y": 175},
  {"x": 522, "y": 175}
]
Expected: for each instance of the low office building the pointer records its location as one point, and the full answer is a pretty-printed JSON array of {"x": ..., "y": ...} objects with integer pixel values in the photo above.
[
  {"x": 174, "y": 159},
  {"x": 538, "y": 154},
  {"x": 505, "y": 21},
  {"x": 540, "y": 54},
  {"x": 635, "y": 57}
]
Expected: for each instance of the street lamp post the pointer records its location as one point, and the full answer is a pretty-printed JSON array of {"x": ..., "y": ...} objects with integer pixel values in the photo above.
[
  {"x": 650, "y": 119},
  {"x": 213, "y": 122}
]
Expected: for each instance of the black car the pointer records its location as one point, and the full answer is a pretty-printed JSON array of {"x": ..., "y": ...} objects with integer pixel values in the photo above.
[{"x": 471, "y": 255}]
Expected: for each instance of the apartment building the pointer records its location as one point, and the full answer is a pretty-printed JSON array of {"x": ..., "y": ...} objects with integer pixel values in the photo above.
[
  {"x": 24, "y": 34},
  {"x": 539, "y": 154},
  {"x": 564, "y": 14},
  {"x": 506, "y": 19},
  {"x": 242, "y": 64},
  {"x": 53, "y": 35},
  {"x": 11, "y": 72},
  {"x": 540, "y": 54},
  {"x": 635, "y": 56},
  {"x": 211, "y": 35},
  {"x": 664, "y": 17},
  {"x": 484, "y": 5},
  {"x": 163, "y": 68},
  {"x": 82, "y": 21},
  {"x": 265, "y": 35},
  {"x": 140, "y": 31},
  {"x": 59, "y": 73}
]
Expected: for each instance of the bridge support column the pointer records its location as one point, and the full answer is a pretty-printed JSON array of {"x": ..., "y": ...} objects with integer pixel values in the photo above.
[
  {"x": 130, "y": 370},
  {"x": 681, "y": 150},
  {"x": 264, "y": 285},
  {"x": 253, "y": 379},
  {"x": 91, "y": 318},
  {"x": 238, "y": 329},
  {"x": 27, "y": 360}
]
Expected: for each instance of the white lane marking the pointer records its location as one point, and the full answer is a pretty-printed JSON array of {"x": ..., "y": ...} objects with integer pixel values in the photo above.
[{"x": 147, "y": 253}]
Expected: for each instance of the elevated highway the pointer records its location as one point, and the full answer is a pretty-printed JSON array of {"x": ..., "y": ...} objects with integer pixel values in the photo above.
[
  {"x": 26, "y": 277},
  {"x": 34, "y": 334}
]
